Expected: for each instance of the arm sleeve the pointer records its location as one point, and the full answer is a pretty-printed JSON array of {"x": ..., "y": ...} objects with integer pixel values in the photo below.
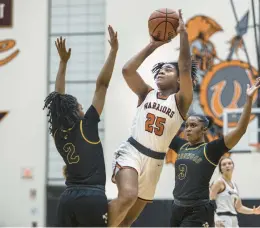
[
  {"x": 177, "y": 143},
  {"x": 92, "y": 115},
  {"x": 215, "y": 150}
]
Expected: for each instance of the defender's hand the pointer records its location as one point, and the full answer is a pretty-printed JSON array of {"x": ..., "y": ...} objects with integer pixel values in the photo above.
[
  {"x": 61, "y": 47},
  {"x": 252, "y": 90},
  {"x": 113, "y": 41}
]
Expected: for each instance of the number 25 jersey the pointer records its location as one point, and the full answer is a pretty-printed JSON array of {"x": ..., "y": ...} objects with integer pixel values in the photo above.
[{"x": 157, "y": 121}]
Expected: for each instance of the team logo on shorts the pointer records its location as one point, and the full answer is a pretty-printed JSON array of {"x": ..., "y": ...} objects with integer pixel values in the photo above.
[
  {"x": 105, "y": 218},
  {"x": 206, "y": 224}
]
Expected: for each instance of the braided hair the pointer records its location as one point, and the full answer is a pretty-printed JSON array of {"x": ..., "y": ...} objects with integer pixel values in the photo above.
[
  {"x": 62, "y": 111},
  {"x": 206, "y": 120},
  {"x": 157, "y": 67}
]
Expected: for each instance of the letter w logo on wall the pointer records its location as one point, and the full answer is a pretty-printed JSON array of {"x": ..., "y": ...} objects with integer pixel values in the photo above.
[{"x": 224, "y": 86}]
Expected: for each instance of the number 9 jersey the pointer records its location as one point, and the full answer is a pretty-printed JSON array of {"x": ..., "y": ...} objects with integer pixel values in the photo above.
[{"x": 156, "y": 122}]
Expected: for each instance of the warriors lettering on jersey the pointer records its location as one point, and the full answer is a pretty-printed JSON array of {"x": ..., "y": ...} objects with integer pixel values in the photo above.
[
  {"x": 156, "y": 122},
  {"x": 160, "y": 108}
]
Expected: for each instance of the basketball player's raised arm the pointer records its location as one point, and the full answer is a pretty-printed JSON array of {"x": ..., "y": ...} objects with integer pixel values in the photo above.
[
  {"x": 185, "y": 94},
  {"x": 232, "y": 138},
  {"x": 105, "y": 75},
  {"x": 64, "y": 57},
  {"x": 132, "y": 77}
]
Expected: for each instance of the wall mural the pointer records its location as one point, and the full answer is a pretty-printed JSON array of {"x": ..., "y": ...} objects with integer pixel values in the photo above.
[
  {"x": 222, "y": 80},
  {"x": 6, "y": 21}
]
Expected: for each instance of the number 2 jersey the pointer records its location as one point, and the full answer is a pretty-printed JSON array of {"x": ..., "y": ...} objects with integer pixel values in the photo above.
[
  {"x": 81, "y": 150},
  {"x": 157, "y": 121}
]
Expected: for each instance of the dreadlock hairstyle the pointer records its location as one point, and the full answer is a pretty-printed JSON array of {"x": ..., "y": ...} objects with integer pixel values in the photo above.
[
  {"x": 157, "y": 67},
  {"x": 62, "y": 111}
]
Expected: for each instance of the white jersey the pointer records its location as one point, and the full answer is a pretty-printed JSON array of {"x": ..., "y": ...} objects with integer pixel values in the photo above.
[
  {"x": 226, "y": 200},
  {"x": 156, "y": 122}
]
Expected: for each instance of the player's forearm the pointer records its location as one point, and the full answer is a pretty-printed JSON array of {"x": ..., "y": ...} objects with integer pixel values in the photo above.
[
  {"x": 107, "y": 70},
  {"x": 184, "y": 56},
  {"x": 60, "y": 79},
  {"x": 212, "y": 195},
  {"x": 245, "y": 117},
  {"x": 245, "y": 210},
  {"x": 135, "y": 62}
]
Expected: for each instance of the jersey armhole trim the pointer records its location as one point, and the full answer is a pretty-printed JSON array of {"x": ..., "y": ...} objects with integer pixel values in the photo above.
[
  {"x": 235, "y": 185},
  {"x": 83, "y": 136},
  {"x": 149, "y": 90},
  {"x": 205, "y": 154},
  {"x": 223, "y": 188},
  {"x": 54, "y": 134}
]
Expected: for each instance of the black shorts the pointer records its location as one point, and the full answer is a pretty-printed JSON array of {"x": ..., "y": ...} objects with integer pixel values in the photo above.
[
  {"x": 197, "y": 216},
  {"x": 82, "y": 206}
]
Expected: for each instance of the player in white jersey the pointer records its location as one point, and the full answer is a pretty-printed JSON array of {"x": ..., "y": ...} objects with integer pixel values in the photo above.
[
  {"x": 225, "y": 192},
  {"x": 138, "y": 161}
]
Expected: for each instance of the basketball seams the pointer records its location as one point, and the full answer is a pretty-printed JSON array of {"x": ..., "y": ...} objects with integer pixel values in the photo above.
[
  {"x": 172, "y": 27},
  {"x": 172, "y": 12},
  {"x": 165, "y": 25},
  {"x": 163, "y": 31},
  {"x": 158, "y": 26},
  {"x": 163, "y": 18}
]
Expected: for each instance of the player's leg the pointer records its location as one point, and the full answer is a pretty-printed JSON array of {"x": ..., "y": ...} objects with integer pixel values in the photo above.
[
  {"x": 126, "y": 168},
  {"x": 199, "y": 216},
  {"x": 177, "y": 215},
  {"x": 133, "y": 213},
  {"x": 64, "y": 213},
  {"x": 127, "y": 184},
  {"x": 148, "y": 180},
  {"x": 91, "y": 209}
]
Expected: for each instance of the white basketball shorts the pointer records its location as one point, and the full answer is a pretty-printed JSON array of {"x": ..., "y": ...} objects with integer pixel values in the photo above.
[{"x": 148, "y": 169}]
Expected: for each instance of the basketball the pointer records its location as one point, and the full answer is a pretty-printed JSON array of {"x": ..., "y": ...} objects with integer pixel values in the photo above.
[{"x": 163, "y": 24}]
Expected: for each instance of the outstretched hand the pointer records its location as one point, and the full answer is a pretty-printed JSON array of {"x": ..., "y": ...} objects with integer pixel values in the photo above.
[
  {"x": 252, "y": 90},
  {"x": 256, "y": 210},
  {"x": 181, "y": 26},
  {"x": 61, "y": 47},
  {"x": 113, "y": 41}
]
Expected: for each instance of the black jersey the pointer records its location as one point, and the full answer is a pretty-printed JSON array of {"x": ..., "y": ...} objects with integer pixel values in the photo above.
[
  {"x": 81, "y": 150},
  {"x": 194, "y": 167}
]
